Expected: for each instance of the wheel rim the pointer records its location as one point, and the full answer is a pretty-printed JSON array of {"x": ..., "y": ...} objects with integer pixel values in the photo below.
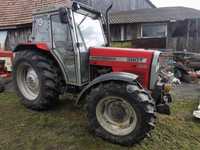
[
  {"x": 28, "y": 81},
  {"x": 116, "y": 116}
]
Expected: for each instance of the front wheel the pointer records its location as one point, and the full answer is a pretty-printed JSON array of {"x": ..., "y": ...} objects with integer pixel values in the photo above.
[
  {"x": 35, "y": 80},
  {"x": 120, "y": 112}
]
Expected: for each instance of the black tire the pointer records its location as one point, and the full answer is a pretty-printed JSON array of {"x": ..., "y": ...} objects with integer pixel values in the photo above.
[
  {"x": 140, "y": 100},
  {"x": 2, "y": 85},
  {"x": 47, "y": 75},
  {"x": 2, "y": 88}
]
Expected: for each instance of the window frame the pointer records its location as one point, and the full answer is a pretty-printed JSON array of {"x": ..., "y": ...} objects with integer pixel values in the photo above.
[
  {"x": 53, "y": 36},
  {"x": 128, "y": 36},
  {"x": 113, "y": 36},
  {"x": 146, "y": 37}
]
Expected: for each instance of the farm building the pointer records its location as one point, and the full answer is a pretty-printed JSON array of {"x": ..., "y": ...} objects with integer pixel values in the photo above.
[
  {"x": 16, "y": 16},
  {"x": 176, "y": 28},
  {"x": 120, "y": 5},
  {"x": 137, "y": 21}
]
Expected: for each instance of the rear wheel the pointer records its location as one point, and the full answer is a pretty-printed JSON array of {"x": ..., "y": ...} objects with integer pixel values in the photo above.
[
  {"x": 120, "y": 112},
  {"x": 36, "y": 80},
  {"x": 2, "y": 85}
]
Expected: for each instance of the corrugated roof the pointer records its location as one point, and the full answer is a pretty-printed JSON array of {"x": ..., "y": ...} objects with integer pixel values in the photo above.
[
  {"x": 154, "y": 15},
  {"x": 18, "y": 12}
]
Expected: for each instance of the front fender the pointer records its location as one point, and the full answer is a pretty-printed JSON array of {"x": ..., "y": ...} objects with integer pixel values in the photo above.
[{"x": 113, "y": 76}]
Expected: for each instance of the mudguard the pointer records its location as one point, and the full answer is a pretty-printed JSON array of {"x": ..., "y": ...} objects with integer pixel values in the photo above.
[
  {"x": 32, "y": 46},
  {"x": 113, "y": 76},
  {"x": 43, "y": 47}
]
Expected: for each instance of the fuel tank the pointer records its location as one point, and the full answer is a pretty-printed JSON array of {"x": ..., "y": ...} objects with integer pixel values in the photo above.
[{"x": 136, "y": 61}]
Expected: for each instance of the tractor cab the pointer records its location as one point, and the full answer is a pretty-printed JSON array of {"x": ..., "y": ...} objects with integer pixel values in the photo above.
[{"x": 70, "y": 33}]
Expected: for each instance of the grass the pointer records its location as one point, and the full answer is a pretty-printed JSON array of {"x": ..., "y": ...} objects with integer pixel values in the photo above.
[{"x": 66, "y": 128}]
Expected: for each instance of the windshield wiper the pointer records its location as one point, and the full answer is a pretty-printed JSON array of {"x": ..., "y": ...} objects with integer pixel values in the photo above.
[{"x": 83, "y": 20}]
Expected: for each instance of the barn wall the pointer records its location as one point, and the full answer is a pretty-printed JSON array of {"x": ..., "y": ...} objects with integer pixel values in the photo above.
[
  {"x": 184, "y": 35},
  {"x": 16, "y": 36},
  {"x": 123, "y": 32},
  {"x": 150, "y": 43}
]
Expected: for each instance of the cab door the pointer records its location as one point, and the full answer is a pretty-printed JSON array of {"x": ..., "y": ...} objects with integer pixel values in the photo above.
[{"x": 63, "y": 48}]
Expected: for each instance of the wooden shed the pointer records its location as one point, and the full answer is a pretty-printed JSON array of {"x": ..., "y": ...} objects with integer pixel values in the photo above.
[{"x": 176, "y": 28}]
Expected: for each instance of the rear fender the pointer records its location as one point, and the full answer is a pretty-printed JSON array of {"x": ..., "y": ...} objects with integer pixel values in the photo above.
[
  {"x": 113, "y": 76},
  {"x": 32, "y": 46},
  {"x": 42, "y": 47}
]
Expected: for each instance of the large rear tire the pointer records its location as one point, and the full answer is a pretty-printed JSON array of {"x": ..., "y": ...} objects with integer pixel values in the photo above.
[
  {"x": 2, "y": 85},
  {"x": 121, "y": 113},
  {"x": 36, "y": 80}
]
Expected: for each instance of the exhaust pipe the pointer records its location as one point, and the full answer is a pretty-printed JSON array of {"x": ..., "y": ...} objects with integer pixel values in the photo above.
[{"x": 108, "y": 24}]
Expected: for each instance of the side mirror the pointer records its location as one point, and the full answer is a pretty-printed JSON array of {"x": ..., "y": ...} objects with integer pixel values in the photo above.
[
  {"x": 63, "y": 15},
  {"x": 75, "y": 6}
]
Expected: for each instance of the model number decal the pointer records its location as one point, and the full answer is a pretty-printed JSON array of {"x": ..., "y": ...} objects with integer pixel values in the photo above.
[{"x": 120, "y": 59}]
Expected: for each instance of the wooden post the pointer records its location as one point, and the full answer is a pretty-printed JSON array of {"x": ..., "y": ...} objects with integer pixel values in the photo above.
[
  {"x": 197, "y": 34},
  {"x": 166, "y": 44},
  {"x": 188, "y": 34}
]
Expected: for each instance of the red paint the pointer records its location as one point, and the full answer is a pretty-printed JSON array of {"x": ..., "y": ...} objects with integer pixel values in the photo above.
[
  {"x": 4, "y": 73},
  {"x": 42, "y": 46},
  {"x": 4, "y": 53},
  {"x": 141, "y": 69}
]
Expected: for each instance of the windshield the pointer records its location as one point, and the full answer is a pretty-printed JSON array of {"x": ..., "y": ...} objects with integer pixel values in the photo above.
[{"x": 90, "y": 30}]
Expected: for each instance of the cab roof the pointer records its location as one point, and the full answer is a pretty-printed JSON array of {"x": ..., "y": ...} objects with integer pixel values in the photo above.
[{"x": 69, "y": 4}]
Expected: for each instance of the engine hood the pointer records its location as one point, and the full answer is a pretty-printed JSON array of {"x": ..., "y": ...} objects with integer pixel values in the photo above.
[
  {"x": 141, "y": 62},
  {"x": 139, "y": 55}
]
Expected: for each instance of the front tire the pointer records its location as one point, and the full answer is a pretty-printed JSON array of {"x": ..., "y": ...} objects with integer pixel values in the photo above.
[
  {"x": 35, "y": 80},
  {"x": 120, "y": 113}
]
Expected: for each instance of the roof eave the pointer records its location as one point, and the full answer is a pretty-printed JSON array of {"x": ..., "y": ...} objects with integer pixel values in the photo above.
[{"x": 11, "y": 27}]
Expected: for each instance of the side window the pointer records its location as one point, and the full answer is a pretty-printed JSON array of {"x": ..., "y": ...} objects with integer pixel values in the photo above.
[
  {"x": 61, "y": 34},
  {"x": 63, "y": 47},
  {"x": 41, "y": 28}
]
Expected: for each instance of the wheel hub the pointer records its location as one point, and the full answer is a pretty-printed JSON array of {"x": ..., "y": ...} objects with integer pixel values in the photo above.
[
  {"x": 28, "y": 81},
  {"x": 117, "y": 112},
  {"x": 116, "y": 116},
  {"x": 32, "y": 80}
]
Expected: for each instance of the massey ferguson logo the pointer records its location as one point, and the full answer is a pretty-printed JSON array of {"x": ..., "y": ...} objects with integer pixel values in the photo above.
[
  {"x": 119, "y": 59},
  {"x": 138, "y": 60}
]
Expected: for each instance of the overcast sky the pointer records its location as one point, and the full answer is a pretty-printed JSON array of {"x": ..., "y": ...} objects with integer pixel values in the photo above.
[{"x": 186, "y": 3}]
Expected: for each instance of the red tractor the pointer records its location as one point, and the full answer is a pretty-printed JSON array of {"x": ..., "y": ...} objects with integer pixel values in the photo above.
[
  {"x": 6, "y": 58},
  {"x": 68, "y": 53}
]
